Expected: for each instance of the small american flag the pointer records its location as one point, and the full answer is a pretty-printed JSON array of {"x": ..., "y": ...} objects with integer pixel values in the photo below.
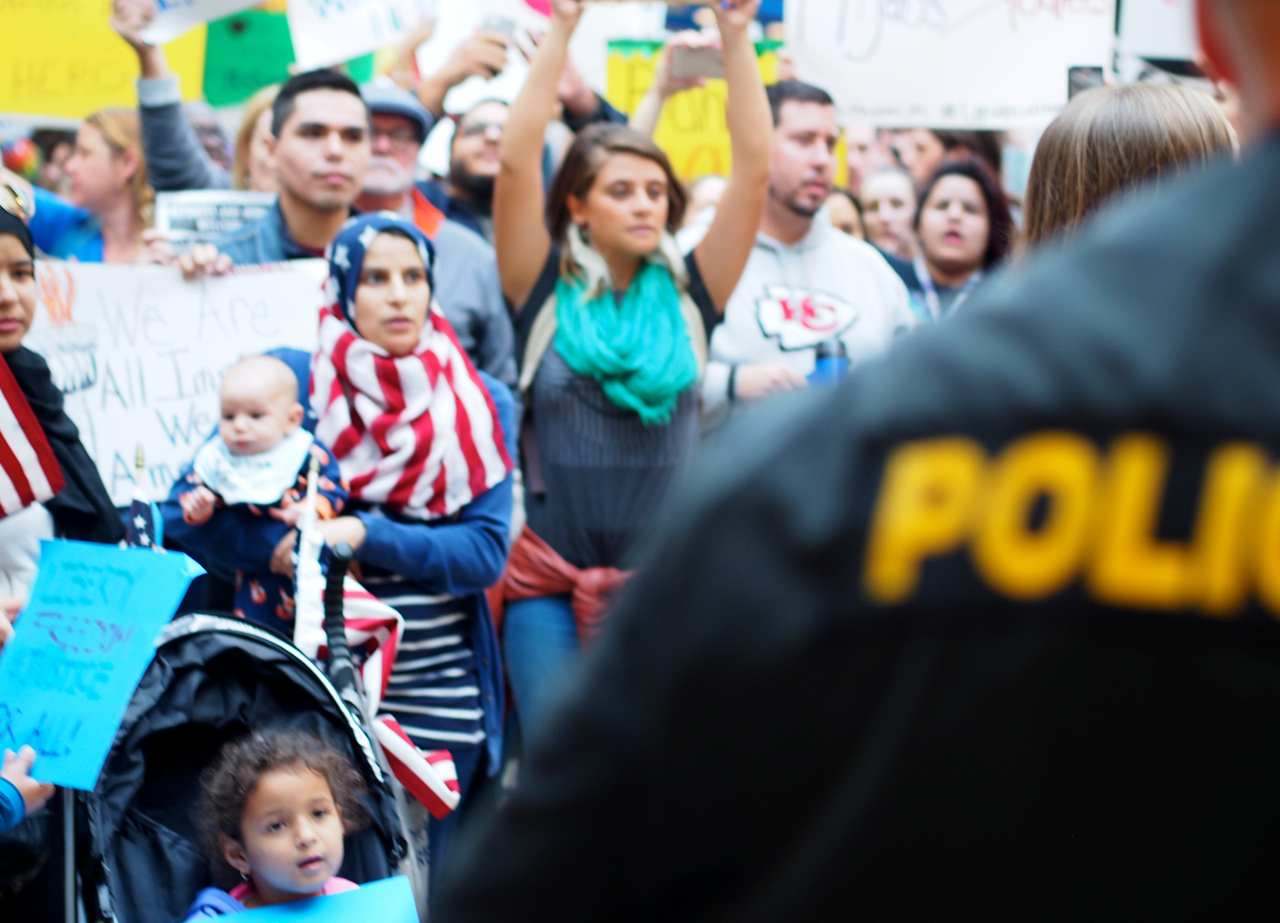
[
  {"x": 29, "y": 472},
  {"x": 145, "y": 528}
]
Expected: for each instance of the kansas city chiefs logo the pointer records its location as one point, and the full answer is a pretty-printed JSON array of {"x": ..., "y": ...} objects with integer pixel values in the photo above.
[{"x": 801, "y": 319}]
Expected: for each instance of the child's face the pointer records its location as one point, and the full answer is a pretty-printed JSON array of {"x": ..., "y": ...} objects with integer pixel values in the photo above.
[
  {"x": 292, "y": 835},
  {"x": 255, "y": 419}
]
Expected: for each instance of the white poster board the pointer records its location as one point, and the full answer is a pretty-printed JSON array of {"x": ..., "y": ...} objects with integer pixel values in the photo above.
[
  {"x": 327, "y": 32},
  {"x": 1159, "y": 29},
  {"x": 948, "y": 63},
  {"x": 177, "y": 17},
  {"x": 139, "y": 353},
  {"x": 201, "y": 216}
]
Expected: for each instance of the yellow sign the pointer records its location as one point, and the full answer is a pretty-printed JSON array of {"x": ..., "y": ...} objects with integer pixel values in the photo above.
[{"x": 61, "y": 58}]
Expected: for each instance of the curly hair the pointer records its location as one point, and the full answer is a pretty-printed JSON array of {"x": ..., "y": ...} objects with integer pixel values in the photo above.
[{"x": 226, "y": 785}]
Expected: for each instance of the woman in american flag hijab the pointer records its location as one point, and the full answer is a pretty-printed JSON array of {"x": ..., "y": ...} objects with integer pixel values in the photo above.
[{"x": 425, "y": 443}]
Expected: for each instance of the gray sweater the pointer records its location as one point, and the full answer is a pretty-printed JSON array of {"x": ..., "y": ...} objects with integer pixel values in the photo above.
[{"x": 176, "y": 160}]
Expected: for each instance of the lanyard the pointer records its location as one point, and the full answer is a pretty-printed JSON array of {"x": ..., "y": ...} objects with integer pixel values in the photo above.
[{"x": 931, "y": 293}]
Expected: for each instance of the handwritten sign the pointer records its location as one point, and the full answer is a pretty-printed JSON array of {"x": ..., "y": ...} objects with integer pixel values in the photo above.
[
  {"x": 329, "y": 32},
  {"x": 62, "y": 59},
  {"x": 201, "y": 216},
  {"x": 692, "y": 128},
  {"x": 178, "y": 17},
  {"x": 1163, "y": 29},
  {"x": 948, "y": 63},
  {"x": 387, "y": 901},
  {"x": 81, "y": 646},
  {"x": 139, "y": 353}
]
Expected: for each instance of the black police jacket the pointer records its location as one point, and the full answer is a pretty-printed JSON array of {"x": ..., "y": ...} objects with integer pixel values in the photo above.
[{"x": 989, "y": 631}]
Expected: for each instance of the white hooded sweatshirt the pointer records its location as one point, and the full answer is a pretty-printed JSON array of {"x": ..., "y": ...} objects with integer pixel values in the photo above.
[{"x": 791, "y": 298}]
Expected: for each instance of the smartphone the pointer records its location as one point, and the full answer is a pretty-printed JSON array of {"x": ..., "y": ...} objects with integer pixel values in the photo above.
[
  {"x": 501, "y": 24},
  {"x": 1080, "y": 79},
  {"x": 687, "y": 62}
]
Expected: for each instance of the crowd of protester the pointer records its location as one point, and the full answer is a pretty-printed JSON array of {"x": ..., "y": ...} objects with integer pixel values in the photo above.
[{"x": 563, "y": 326}]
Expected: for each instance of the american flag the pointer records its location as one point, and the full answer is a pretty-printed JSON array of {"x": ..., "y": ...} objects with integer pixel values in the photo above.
[
  {"x": 145, "y": 528},
  {"x": 29, "y": 472}
]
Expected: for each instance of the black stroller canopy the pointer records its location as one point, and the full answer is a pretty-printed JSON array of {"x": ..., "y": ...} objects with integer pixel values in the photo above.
[{"x": 211, "y": 681}]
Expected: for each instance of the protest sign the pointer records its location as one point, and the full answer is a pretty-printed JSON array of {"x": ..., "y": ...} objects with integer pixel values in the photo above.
[
  {"x": 63, "y": 60},
  {"x": 386, "y": 901},
  {"x": 201, "y": 216},
  {"x": 948, "y": 63},
  {"x": 246, "y": 52},
  {"x": 1162, "y": 29},
  {"x": 81, "y": 646},
  {"x": 329, "y": 32},
  {"x": 139, "y": 353},
  {"x": 178, "y": 17},
  {"x": 692, "y": 128}
]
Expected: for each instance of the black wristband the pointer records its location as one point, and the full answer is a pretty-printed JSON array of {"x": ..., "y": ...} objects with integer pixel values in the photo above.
[{"x": 732, "y": 386}]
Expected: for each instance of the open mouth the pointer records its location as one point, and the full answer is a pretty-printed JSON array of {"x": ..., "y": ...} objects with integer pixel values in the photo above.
[{"x": 312, "y": 864}]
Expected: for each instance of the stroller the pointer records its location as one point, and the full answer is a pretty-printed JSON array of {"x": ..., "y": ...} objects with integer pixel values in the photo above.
[{"x": 212, "y": 679}]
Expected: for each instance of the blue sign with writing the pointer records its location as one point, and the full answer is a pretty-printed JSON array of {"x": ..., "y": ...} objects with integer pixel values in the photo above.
[
  {"x": 79, "y": 650},
  {"x": 387, "y": 901}
]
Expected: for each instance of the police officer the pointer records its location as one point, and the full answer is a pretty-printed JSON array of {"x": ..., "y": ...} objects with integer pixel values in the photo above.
[{"x": 990, "y": 631}]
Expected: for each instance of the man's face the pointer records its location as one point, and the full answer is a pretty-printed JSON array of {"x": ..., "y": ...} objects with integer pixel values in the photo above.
[
  {"x": 477, "y": 146},
  {"x": 920, "y": 151},
  {"x": 323, "y": 149},
  {"x": 865, "y": 154},
  {"x": 802, "y": 166},
  {"x": 394, "y": 152}
]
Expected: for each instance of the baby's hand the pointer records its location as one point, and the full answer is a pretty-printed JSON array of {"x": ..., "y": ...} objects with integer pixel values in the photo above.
[
  {"x": 197, "y": 506},
  {"x": 289, "y": 515},
  {"x": 17, "y": 769}
]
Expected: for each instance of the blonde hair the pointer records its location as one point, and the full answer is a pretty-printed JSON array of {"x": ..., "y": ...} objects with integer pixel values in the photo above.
[
  {"x": 258, "y": 103},
  {"x": 122, "y": 130},
  {"x": 1109, "y": 141}
]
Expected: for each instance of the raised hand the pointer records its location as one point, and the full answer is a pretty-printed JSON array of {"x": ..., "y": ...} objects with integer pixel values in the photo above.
[
  {"x": 567, "y": 11},
  {"x": 665, "y": 83},
  {"x": 735, "y": 15},
  {"x": 130, "y": 17}
]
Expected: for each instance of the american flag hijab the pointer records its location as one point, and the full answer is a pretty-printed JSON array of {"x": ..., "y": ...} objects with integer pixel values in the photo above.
[{"x": 419, "y": 434}]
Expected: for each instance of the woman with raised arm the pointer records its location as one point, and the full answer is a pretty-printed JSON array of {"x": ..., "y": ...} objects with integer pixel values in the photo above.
[{"x": 612, "y": 324}]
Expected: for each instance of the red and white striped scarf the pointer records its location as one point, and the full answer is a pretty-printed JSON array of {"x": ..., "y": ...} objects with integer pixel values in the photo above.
[
  {"x": 418, "y": 434},
  {"x": 29, "y": 471}
]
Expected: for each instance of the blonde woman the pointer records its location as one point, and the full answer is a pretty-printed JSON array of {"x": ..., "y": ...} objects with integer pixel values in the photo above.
[
  {"x": 110, "y": 203},
  {"x": 1111, "y": 140}
]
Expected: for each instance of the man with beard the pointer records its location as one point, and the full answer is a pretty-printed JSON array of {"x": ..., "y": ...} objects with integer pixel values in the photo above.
[
  {"x": 806, "y": 283},
  {"x": 467, "y": 285}
]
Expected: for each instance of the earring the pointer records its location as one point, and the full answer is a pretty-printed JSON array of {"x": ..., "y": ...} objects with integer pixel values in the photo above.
[{"x": 244, "y": 876}]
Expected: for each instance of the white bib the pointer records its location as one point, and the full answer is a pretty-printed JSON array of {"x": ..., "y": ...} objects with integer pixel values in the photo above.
[{"x": 259, "y": 479}]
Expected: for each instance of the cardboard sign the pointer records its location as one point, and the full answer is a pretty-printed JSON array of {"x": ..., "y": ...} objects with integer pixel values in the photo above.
[
  {"x": 201, "y": 216},
  {"x": 948, "y": 63},
  {"x": 139, "y": 353},
  {"x": 81, "y": 646},
  {"x": 386, "y": 901},
  {"x": 1163, "y": 29},
  {"x": 329, "y": 32},
  {"x": 178, "y": 17},
  {"x": 62, "y": 59},
  {"x": 692, "y": 128}
]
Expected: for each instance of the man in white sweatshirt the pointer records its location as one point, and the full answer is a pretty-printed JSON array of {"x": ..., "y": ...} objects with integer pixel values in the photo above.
[{"x": 805, "y": 282}]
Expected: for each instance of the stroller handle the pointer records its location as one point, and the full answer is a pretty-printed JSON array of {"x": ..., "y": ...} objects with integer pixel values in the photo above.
[{"x": 341, "y": 671}]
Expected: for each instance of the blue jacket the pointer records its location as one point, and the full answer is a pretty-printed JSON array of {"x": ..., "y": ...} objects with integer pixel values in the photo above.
[
  {"x": 213, "y": 902},
  {"x": 64, "y": 230},
  {"x": 12, "y": 808},
  {"x": 463, "y": 557}
]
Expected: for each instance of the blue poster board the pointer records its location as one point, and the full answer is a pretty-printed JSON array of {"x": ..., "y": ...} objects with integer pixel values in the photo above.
[
  {"x": 386, "y": 901},
  {"x": 79, "y": 650}
]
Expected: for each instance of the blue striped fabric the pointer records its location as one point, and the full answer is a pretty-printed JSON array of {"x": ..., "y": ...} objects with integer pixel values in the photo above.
[{"x": 435, "y": 690}]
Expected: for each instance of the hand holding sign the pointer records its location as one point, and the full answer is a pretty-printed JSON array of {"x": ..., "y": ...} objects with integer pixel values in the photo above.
[{"x": 84, "y": 641}]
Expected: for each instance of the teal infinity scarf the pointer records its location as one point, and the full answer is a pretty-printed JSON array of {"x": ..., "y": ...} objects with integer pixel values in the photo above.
[{"x": 638, "y": 349}]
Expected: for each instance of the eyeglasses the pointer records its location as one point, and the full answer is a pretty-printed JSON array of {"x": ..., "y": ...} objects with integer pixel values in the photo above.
[
  {"x": 476, "y": 129},
  {"x": 16, "y": 203},
  {"x": 402, "y": 137}
]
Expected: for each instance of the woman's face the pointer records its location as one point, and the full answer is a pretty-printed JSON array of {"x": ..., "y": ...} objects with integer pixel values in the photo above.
[
  {"x": 392, "y": 296},
  {"x": 954, "y": 225},
  {"x": 625, "y": 211},
  {"x": 17, "y": 292},
  {"x": 844, "y": 216},
  {"x": 261, "y": 171},
  {"x": 888, "y": 208},
  {"x": 920, "y": 151},
  {"x": 98, "y": 175}
]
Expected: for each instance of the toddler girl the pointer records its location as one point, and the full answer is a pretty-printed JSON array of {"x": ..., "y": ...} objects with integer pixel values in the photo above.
[{"x": 274, "y": 808}]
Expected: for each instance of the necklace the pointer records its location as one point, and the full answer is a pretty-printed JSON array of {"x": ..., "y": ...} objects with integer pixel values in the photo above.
[{"x": 931, "y": 300}]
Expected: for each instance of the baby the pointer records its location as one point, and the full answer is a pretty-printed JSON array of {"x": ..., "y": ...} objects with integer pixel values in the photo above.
[{"x": 256, "y": 469}]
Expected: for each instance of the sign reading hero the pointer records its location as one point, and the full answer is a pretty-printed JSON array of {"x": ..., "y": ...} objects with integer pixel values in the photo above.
[{"x": 1098, "y": 517}]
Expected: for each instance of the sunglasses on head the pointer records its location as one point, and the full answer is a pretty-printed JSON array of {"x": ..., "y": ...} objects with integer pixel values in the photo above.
[{"x": 16, "y": 203}]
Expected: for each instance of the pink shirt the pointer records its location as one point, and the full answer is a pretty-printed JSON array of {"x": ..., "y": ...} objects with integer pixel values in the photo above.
[{"x": 334, "y": 885}]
